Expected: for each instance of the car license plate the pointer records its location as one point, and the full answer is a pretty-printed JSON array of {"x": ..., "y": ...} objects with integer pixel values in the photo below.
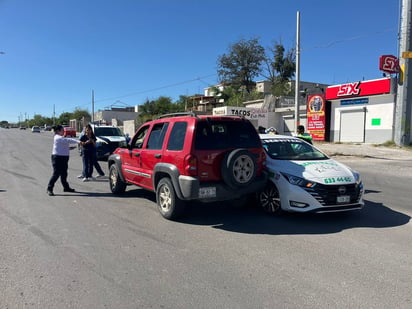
[
  {"x": 343, "y": 199},
  {"x": 207, "y": 192}
]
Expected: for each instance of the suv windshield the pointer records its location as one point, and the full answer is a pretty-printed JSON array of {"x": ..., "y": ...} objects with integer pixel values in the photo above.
[
  {"x": 107, "y": 131},
  {"x": 217, "y": 134}
]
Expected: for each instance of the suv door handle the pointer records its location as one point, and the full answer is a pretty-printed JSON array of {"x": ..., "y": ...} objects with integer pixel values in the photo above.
[
  {"x": 158, "y": 156},
  {"x": 137, "y": 154}
]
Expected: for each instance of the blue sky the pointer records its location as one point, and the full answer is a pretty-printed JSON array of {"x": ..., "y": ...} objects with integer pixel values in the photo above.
[{"x": 55, "y": 52}]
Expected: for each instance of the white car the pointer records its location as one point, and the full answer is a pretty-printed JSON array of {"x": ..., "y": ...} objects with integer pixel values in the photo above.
[
  {"x": 304, "y": 179},
  {"x": 108, "y": 138},
  {"x": 35, "y": 129}
]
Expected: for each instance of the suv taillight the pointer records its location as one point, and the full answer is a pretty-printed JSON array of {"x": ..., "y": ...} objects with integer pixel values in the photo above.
[
  {"x": 191, "y": 165},
  {"x": 264, "y": 159}
]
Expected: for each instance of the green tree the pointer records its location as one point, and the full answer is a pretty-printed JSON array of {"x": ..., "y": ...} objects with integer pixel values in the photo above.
[
  {"x": 64, "y": 118},
  {"x": 280, "y": 69},
  {"x": 38, "y": 120},
  {"x": 182, "y": 103},
  {"x": 242, "y": 64},
  {"x": 229, "y": 94},
  {"x": 79, "y": 114},
  {"x": 162, "y": 105}
]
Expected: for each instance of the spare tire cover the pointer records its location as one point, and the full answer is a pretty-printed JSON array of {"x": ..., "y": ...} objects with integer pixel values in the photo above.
[{"x": 239, "y": 168}]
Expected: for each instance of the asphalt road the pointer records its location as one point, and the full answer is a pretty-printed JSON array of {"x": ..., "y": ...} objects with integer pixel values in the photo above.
[{"x": 92, "y": 250}]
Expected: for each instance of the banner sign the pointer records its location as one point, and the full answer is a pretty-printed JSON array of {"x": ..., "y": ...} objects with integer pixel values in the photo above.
[
  {"x": 354, "y": 101},
  {"x": 316, "y": 116},
  {"x": 248, "y": 113}
]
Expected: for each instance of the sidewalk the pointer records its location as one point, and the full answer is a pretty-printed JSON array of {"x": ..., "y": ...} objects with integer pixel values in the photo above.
[{"x": 365, "y": 150}]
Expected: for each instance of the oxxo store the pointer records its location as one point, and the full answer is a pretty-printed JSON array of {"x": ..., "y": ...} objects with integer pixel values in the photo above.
[{"x": 361, "y": 112}]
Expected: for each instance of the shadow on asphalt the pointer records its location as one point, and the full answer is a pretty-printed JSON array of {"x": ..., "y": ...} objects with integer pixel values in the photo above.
[
  {"x": 252, "y": 220},
  {"x": 134, "y": 193}
]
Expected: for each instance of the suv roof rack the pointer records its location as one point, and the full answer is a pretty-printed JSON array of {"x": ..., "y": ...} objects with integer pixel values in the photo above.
[{"x": 192, "y": 114}]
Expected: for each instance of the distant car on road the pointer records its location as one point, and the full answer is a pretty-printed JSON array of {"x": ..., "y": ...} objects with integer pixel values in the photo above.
[
  {"x": 35, "y": 129},
  {"x": 304, "y": 179},
  {"x": 69, "y": 132},
  {"x": 22, "y": 128}
]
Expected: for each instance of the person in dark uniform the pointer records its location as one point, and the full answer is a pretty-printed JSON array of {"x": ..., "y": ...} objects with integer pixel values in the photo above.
[
  {"x": 89, "y": 152},
  {"x": 60, "y": 159}
]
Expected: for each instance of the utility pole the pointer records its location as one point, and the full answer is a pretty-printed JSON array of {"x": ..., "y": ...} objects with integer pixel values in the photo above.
[
  {"x": 402, "y": 136},
  {"x": 297, "y": 76}
]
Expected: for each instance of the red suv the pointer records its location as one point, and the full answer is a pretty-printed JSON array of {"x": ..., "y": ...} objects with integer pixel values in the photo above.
[{"x": 186, "y": 157}]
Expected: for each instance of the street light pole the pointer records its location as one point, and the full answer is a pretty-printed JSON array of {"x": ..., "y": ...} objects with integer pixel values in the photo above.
[
  {"x": 297, "y": 76},
  {"x": 402, "y": 135}
]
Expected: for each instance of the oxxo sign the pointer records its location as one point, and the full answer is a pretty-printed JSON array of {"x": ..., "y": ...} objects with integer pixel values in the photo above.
[
  {"x": 358, "y": 89},
  {"x": 348, "y": 89},
  {"x": 389, "y": 64}
]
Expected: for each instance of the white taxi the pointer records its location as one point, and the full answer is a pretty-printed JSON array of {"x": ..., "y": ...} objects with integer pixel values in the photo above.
[{"x": 304, "y": 179}]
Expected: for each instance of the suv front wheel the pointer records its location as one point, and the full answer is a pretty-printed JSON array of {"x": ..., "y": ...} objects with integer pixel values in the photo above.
[
  {"x": 117, "y": 185},
  {"x": 169, "y": 205}
]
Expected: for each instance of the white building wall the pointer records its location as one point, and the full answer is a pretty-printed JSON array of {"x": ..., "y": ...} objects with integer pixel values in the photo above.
[
  {"x": 129, "y": 127},
  {"x": 107, "y": 116},
  {"x": 378, "y": 112}
]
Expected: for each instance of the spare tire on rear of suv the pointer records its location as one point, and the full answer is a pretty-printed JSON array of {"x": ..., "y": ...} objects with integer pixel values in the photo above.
[{"x": 239, "y": 168}]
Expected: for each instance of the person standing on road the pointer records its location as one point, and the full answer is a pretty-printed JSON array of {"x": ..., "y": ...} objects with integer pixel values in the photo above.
[
  {"x": 88, "y": 152},
  {"x": 96, "y": 164},
  {"x": 60, "y": 159}
]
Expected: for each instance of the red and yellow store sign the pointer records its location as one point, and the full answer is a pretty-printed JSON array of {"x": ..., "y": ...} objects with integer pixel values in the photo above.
[{"x": 316, "y": 120}]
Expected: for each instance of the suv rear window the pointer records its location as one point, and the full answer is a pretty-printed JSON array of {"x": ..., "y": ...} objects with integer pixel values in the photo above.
[
  {"x": 217, "y": 134},
  {"x": 177, "y": 136}
]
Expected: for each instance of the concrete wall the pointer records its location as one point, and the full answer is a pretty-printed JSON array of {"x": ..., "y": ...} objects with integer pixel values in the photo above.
[
  {"x": 107, "y": 116},
  {"x": 129, "y": 127},
  {"x": 378, "y": 118}
]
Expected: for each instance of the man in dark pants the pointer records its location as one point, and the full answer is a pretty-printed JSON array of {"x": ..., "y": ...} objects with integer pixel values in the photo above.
[{"x": 60, "y": 159}]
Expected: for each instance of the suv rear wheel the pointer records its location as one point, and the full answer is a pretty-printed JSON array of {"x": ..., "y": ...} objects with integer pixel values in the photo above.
[
  {"x": 239, "y": 168},
  {"x": 117, "y": 185},
  {"x": 169, "y": 205}
]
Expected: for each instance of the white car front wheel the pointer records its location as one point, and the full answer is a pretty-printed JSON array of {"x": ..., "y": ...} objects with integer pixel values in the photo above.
[{"x": 269, "y": 199}]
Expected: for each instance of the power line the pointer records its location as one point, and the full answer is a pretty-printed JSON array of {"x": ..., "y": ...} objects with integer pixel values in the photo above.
[
  {"x": 156, "y": 89},
  {"x": 330, "y": 44},
  {"x": 148, "y": 90}
]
